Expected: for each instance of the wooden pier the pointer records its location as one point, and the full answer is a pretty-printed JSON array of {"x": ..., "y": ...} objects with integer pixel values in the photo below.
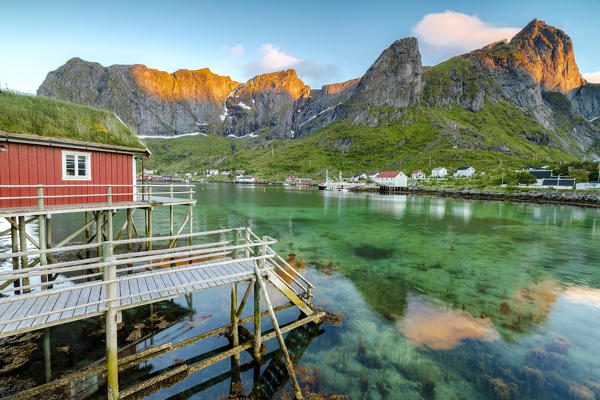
[{"x": 57, "y": 283}]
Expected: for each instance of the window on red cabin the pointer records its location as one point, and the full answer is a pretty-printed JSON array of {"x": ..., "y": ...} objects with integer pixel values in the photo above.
[{"x": 76, "y": 165}]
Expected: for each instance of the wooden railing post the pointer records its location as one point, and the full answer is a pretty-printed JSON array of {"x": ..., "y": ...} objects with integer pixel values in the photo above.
[
  {"x": 14, "y": 236},
  {"x": 23, "y": 248},
  {"x": 248, "y": 240},
  {"x": 263, "y": 252},
  {"x": 191, "y": 211},
  {"x": 40, "y": 196},
  {"x": 109, "y": 195},
  {"x": 171, "y": 231},
  {"x": 112, "y": 363},
  {"x": 237, "y": 240},
  {"x": 235, "y": 339},
  {"x": 149, "y": 191}
]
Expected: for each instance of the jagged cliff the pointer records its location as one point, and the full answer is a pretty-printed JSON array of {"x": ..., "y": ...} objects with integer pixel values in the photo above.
[{"x": 534, "y": 75}]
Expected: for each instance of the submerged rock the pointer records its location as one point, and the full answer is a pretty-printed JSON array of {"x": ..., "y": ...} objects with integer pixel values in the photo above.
[
  {"x": 559, "y": 345},
  {"x": 580, "y": 392}
]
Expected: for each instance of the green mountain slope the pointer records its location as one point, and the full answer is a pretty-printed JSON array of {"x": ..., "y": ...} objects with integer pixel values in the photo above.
[{"x": 449, "y": 137}]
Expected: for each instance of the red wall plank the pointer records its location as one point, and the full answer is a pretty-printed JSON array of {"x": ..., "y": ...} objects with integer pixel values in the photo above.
[{"x": 26, "y": 164}]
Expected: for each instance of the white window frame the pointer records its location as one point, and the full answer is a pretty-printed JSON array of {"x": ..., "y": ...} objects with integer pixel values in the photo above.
[{"x": 76, "y": 154}]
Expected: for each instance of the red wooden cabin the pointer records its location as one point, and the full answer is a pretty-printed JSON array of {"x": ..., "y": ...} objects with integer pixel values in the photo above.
[{"x": 73, "y": 167}]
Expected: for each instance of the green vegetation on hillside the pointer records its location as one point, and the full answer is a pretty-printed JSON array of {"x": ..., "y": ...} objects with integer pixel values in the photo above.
[
  {"x": 53, "y": 118},
  {"x": 423, "y": 138}
]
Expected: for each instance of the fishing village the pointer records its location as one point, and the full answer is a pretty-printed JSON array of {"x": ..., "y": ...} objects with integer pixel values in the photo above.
[{"x": 300, "y": 201}]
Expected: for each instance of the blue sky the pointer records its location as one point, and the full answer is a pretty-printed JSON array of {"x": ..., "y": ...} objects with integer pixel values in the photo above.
[{"x": 326, "y": 41}]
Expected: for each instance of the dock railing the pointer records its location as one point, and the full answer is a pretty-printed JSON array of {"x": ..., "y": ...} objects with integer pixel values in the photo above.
[
  {"x": 39, "y": 196},
  {"x": 116, "y": 264}
]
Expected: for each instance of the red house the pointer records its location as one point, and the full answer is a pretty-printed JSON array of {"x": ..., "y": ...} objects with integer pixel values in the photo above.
[{"x": 67, "y": 166}]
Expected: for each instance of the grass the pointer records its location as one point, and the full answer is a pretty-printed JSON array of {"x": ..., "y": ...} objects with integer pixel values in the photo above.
[
  {"x": 54, "y": 118},
  {"x": 423, "y": 139}
]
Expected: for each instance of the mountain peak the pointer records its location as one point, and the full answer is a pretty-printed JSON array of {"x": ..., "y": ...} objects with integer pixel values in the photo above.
[
  {"x": 545, "y": 52},
  {"x": 548, "y": 56},
  {"x": 280, "y": 81}
]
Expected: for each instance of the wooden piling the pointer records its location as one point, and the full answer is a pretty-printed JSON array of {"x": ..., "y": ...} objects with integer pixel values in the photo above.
[
  {"x": 129, "y": 228},
  {"x": 112, "y": 362},
  {"x": 171, "y": 212},
  {"x": 23, "y": 247},
  {"x": 191, "y": 212},
  {"x": 288, "y": 361},
  {"x": 234, "y": 320},
  {"x": 257, "y": 327},
  {"x": 42, "y": 241},
  {"x": 99, "y": 232},
  {"x": 15, "y": 249},
  {"x": 47, "y": 355},
  {"x": 149, "y": 228}
]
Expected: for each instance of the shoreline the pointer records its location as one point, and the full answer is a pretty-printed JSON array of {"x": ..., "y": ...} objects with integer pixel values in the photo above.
[{"x": 582, "y": 199}]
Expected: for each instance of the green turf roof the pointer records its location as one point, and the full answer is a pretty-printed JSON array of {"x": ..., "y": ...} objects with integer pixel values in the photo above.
[{"x": 47, "y": 117}]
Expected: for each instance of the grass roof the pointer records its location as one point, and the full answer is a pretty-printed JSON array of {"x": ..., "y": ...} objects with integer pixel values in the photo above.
[{"x": 59, "y": 119}]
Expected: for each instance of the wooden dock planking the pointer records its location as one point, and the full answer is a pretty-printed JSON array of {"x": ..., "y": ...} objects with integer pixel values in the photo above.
[{"x": 194, "y": 279}]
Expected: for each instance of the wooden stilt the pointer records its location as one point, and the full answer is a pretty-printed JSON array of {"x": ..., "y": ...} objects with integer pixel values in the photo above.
[
  {"x": 15, "y": 249},
  {"x": 88, "y": 233},
  {"x": 257, "y": 327},
  {"x": 47, "y": 355},
  {"x": 234, "y": 320},
  {"x": 43, "y": 243},
  {"x": 149, "y": 229},
  {"x": 23, "y": 247},
  {"x": 288, "y": 361},
  {"x": 99, "y": 232},
  {"x": 112, "y": 362},
  {"x": 171, "y": 212},
  {"x": 129, "y": 228}
]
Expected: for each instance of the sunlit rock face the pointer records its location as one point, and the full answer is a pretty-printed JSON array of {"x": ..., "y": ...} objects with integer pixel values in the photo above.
[
  {"x": 198, "y": 85},
  {"x": 265, "y": 101},
  {"x": 543, "y": 51},
  {"x": 439, "y": 328}
]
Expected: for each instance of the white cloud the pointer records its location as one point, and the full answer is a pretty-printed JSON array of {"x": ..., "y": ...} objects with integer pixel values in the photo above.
[
  {"x": 458, "y": 31},
  {"x": 234, "y": 51},
  {"x": 592, "y": 77},
  {"x": 275, "y": 59}
]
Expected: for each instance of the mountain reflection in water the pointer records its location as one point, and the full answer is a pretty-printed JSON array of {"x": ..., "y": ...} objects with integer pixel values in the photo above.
[{"x": 442, "y": 329}]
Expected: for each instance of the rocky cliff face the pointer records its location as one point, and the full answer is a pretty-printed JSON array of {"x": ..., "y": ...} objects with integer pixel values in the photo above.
[
  {"x": 265, "y": 102},
  {"x": 586, "y": 100},
  {"x": 393, "y": 81},
  {"x": 545, "y": 52},
  {"x": 535, "y": 72},
  {"x": 153, "y": 102}
]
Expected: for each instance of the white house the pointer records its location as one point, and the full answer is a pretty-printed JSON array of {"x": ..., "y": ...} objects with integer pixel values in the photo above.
[
  {"x": 245, "y": 179},
  {"x": 212, "y": 172},
  {"x": 464, "y": 172},
  {"x": 439, "y": 172},
  {"x": 392, "y": 179},
  {"x": 418, "y": 174}
]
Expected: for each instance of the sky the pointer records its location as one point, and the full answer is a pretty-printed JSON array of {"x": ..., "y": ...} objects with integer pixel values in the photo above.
[{"x": 326, "y": 41}]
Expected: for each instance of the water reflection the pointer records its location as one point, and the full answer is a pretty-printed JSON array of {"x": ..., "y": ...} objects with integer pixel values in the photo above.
[
  {"x": 442, "y": 298},
  {"x": 442, "y": 329}
]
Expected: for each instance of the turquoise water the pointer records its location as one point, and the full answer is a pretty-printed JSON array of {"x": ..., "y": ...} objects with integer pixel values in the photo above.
[{"x": 441, "y": 298}]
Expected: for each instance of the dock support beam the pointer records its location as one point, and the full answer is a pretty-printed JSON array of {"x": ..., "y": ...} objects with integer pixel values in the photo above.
[
  {"x": 129, "y": 228},
  {"x": 288, "y": 361},
  {"x": 191, "y": 212},
  {"x": 149, "y": 228},
  {"x": 47, "y": 355},
  {"x": 23, "y": 247},
  {"x": 234, "y": 321},
  {"x": 15, "y": 249},
  {"x": 257, "y": 327},
  {"x": 112, "y": 362}
]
